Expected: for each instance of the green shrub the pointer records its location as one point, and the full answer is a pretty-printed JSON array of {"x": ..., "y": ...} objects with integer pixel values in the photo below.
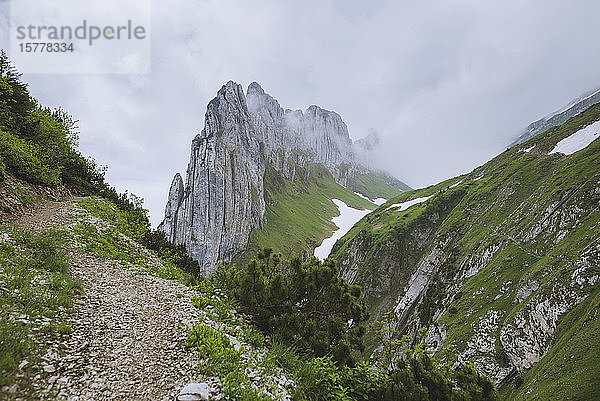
[
  {"x": 235, "y": 387},
  {"x": 218, "y": 355},
  {"x": 363, "y": 381},
  {"x": 175, "y": 254},
  {"x": 25, "y": 197},
  {"x": 302, "y": 304},
  {"x": 200, "y": 301},
  {"x": 22, "y": 158},
  {"x": 252, "y": 336},
  {"x": 320, "y": 379}
]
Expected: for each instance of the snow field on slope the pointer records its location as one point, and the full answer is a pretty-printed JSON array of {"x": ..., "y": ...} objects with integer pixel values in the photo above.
[
  {"x": 345, "y": 221},
  {"x": 579, "y": 140}
]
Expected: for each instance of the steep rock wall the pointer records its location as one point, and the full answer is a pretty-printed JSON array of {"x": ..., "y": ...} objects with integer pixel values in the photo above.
[{"x": 223, "y": 198}]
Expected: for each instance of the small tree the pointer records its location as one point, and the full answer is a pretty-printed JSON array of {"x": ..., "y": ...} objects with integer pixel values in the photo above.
[{"x": 305, "y": 305}]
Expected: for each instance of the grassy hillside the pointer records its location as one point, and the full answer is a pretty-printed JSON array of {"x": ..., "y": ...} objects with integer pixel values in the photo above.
[
  {"x": 37, "y": 299},
  {"x": 377, "y": 186},
  {"x": 298, "y": 214},
  {"x": 508, "y": 265}
]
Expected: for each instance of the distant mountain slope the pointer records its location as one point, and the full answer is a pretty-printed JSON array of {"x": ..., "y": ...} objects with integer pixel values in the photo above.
[
  {"x": 501, "y": 264},
  {"x": 556, "y": 118},
  {"x": 248, "y": 139}
]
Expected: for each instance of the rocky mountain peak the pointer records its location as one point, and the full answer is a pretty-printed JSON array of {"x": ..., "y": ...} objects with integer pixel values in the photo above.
[
  {"x": 223, "y": 198},
  {"x": 226, "y": 113},
  {"x": 263, "y": 106},
  {"x": 255, "y": 88}
]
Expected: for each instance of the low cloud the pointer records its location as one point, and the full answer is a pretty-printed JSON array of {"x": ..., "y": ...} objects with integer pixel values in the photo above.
[{"x": 447, "y": 85}]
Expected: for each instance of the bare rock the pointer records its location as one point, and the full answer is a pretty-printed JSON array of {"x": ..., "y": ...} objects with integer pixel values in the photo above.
[{"x": 194, "y": 392}]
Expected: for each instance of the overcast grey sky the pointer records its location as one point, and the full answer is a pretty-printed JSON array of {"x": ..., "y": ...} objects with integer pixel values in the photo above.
[{"x": 447, "y": 84}]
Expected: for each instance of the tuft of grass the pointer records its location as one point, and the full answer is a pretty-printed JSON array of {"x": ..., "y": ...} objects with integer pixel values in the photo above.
[
  {"x": 218, "y": 355},
  {"x": 125, "y": 222}
]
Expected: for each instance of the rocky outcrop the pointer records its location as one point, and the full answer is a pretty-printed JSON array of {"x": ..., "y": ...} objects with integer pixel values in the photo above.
[
  {"x": 295, "y": 138},
  {"x": 223, "y": 198},
  {"x": 176, "y": 193}
]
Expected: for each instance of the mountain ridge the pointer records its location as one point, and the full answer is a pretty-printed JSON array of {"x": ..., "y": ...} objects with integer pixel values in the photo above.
[
  {"x": 559, "y": 116},
  {"x": 223, "y": 198},
  {"x": 493, "y": 262}
]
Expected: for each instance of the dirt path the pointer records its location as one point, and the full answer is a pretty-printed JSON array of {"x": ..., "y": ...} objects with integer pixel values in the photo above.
[
  {"x": 129, "y": 329},
  {"x": 45, "y": 214}
]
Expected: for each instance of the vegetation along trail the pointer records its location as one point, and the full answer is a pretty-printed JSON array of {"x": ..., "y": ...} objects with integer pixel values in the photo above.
[{"x": 129, "y": 327}]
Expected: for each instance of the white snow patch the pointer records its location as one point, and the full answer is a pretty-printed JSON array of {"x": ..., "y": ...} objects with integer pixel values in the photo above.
[
  {"x": 347, "y": 218},
  {"x": 362, "y": 196},
  {"x": 407, "y": 204},
  {"x": 579, "y": 140},
  {"x": 528, "y": 149},
  {"x": 377, "y": 201}
]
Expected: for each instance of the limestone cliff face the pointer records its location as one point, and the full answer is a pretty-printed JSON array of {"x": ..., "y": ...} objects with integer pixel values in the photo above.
[
  {"x": 223, "y": 200},
  {"x": 223, "y": 197},
  {"x": 176, "y": 193},
  {"x": 295, "y": 138}
]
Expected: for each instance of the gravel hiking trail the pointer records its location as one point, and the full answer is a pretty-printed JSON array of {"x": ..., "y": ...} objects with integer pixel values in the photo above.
[{"x": 129, "y": 328}]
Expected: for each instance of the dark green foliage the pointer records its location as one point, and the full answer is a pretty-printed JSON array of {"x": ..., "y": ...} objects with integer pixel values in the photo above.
[
  {"x": 473, "y": 386},
  {"x": 363, "y": 382},
  {"x": 416, "y": 377},
  {"x": 419, "y": 379},
  {"x": 38, "y": 144},
  {"x": 302, "y": 304},
  {"x": 305, "y": 309},
  {"x": 221, "y": 357},
  {"x": 176, "y": 254}
]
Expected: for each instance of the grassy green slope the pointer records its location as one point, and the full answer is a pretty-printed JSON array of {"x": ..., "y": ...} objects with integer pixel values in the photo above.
[
  {"x": 536, "y": 213},
  {"x": 385, "y": 221},
  {"x": 298, "y": 215},
  {"x": 374, "y": 186}
]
